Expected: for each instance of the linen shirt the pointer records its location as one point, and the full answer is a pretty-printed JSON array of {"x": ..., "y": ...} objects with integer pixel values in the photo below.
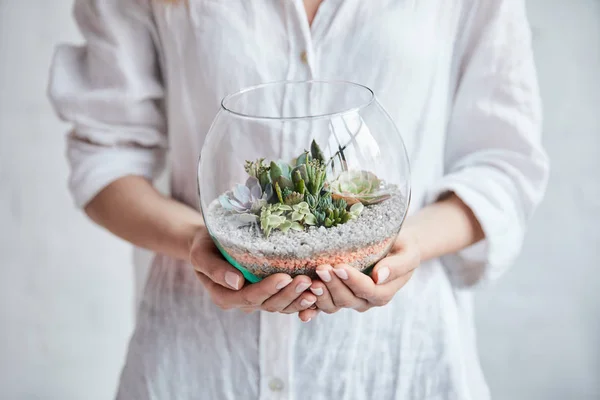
[{"x": 458, "y": 79}]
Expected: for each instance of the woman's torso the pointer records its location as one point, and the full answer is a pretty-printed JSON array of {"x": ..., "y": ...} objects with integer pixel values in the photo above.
[{"x": 417, "y": 347}]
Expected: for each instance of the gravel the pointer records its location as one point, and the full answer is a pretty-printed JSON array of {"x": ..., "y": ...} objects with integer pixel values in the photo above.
[{"x": 376, "y": 224}]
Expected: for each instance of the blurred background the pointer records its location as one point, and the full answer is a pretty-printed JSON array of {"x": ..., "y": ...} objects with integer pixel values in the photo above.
[{"x": 68, "y": 289}]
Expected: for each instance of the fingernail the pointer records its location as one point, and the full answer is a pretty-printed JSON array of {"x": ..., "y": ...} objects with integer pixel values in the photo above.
[
  {"x": 382, "y": 275},
  {"x": 317, "y": 291},
  {"x": 307, "y": 321},
  {"x": 324, "y": 275},
  {"x": 232, "y": 279},
  {"x": 283, "y": 283},
  {"x": 302, "y": 286},
  {"x": 306, "y": 303},
  {"x": 341, "y": 273}
]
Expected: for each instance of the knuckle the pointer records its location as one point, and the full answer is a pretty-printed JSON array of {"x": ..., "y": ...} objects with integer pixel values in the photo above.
[
  {"x": 330, "y": 310},
  {"x": 220, "y": 303},
  {"x": 344, "y": 303},
  {"x": 365, "y": 293},
  {"x": 270, "y": 308},
  {"x": 381, "y": 301},
  {"x": 247, "y": 301}
]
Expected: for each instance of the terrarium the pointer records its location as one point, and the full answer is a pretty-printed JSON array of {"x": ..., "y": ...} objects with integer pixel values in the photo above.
[{"x": 293, "y": 175}]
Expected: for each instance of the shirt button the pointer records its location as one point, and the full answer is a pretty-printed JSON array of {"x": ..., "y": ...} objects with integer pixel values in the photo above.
[
  {"x": 276, "y": 385},
  {"x": 304, "y": 57}
]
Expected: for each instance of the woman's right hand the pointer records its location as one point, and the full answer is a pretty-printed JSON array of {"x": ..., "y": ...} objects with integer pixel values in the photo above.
[{"x": 227, "y": 287}]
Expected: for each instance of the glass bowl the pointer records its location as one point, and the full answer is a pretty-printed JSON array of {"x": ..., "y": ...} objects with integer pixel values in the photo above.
[{"x": 293, "y": 175}]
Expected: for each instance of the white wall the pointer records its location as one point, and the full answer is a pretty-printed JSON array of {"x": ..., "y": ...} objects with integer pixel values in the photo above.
[
  {"x": 540, "y": 326},
  {"x": 67, "y": 288}
]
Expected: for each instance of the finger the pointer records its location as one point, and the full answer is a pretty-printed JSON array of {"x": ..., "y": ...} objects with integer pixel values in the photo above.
[
  {"x": 303, "y": 302},
  {"x": 250, "y": 296},
  {"x": 362, "y": 286},
  {"x": 307, "y": 315},
  {"x": 324, "y": 300},
  {"x": 287, "y": 296},
  {"x": 395, "y": 266},
  {"x": 340, "y": 293},
  {"x": 206, "y": 259}
]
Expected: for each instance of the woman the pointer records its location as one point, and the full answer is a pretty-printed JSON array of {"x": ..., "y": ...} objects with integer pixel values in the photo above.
[{"x": 458, "y": 79}]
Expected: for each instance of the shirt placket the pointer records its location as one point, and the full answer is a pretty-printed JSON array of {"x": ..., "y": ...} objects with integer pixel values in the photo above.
[
  {"x": 276, "y": 342},
  {"x": 277, "y": 334}
]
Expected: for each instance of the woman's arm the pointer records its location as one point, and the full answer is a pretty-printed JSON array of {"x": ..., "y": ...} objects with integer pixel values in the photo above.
[
  {"x": 444, "y": 227},
  {"x": 134, "y": 210}
]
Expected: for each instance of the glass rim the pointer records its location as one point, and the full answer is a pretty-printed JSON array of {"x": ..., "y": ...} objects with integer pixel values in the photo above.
[{"x": 303, "y": 117}]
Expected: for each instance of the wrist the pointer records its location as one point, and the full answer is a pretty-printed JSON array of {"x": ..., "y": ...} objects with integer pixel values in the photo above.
[{"x": 191, "y": 232}]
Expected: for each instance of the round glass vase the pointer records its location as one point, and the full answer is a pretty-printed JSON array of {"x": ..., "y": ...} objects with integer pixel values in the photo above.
[{"x": 293, "y": 175}]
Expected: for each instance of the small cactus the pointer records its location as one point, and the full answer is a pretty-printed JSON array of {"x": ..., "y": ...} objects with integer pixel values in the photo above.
[
  {"x": 316, "y": 152},
  {"x": 293, "y": 198},
  {"x": 315, "y": 172}
]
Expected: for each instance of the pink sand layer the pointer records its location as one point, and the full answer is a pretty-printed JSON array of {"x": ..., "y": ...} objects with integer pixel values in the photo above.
[{"x": 344, "y": 257}]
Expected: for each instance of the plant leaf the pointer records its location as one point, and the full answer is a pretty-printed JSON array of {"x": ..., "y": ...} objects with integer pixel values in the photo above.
[
  {"x": 296, "y": 216},
  {"x": 357, "y": 208},
  {"x": 310, "y": 219}
]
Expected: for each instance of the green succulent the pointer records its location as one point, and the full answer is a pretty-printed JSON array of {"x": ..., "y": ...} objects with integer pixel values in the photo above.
[
  {"x": 260, "y": 171},
  {"x": 299, "y": 178},
  {"x": 360, "y": 186},
  {"x": 316, "y": 152},
  {"x": 293, "y": 198},
  {"x": 280, "y": 173},
  {"x": 336, "y": 216},
  {"x": 273, "y": 216},
  {"x": 312, "y": 201},
  {"x": 320, "y": 217},
  {"x": 303, "y": 158},
  {"x": 355, "y": 210},
  {"x": 301, "y": 213},
  {"x": 316, "y": 175}
]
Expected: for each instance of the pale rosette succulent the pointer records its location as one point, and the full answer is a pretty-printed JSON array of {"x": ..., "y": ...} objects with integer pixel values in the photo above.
[
  {"x": 246, "y": 200},
  {"x": 359, "y": 186}
]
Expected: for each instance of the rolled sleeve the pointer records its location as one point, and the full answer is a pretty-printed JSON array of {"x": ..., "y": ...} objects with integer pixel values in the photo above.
[
  {"x": 494, "y": 161},
  {"x": 94, "y": 167},
  {"x": 111, "y": 91}
]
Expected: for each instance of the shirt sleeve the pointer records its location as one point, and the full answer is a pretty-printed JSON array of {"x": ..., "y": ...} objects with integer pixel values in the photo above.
[
  {"x": 494, "y": 159},
  {"x": 110, "y": 90}
]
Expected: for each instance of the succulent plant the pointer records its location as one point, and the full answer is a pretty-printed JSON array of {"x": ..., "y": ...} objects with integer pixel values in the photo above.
[
  {"x": 316, "y": 153},
  {"x": 272, "y": 216},
  {"x": 355, "y": 210},
  {"x": 336, "y": 216},
  {"x": 258, "y": 170},
  {"x": 301, "y": 213},
  {"x": 303, "y": 158},
  {"x": 248, "y": 198},
  {"x": 315, "y": 172},
  {"x": 311, "y": 200},
  {"x": 359, "y": 186},
  {"x": 280, "y": 173},
  {"x": 293, "y": 198}
]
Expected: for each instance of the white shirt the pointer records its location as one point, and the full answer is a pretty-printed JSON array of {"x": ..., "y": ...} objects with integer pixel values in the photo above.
[{"x": 457, "y": 77}]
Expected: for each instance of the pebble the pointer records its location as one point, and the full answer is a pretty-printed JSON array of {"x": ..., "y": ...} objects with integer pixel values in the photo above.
[{"x": 376, "y": 224}]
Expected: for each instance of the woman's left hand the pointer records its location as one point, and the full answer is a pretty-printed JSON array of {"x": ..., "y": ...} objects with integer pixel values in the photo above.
[{"x": 342, "y": 286}]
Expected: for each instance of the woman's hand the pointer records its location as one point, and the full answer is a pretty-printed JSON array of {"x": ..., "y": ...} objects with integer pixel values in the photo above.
[
  {"x": 276, "y": 293},
  {"x": 345, "y": 287}
]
